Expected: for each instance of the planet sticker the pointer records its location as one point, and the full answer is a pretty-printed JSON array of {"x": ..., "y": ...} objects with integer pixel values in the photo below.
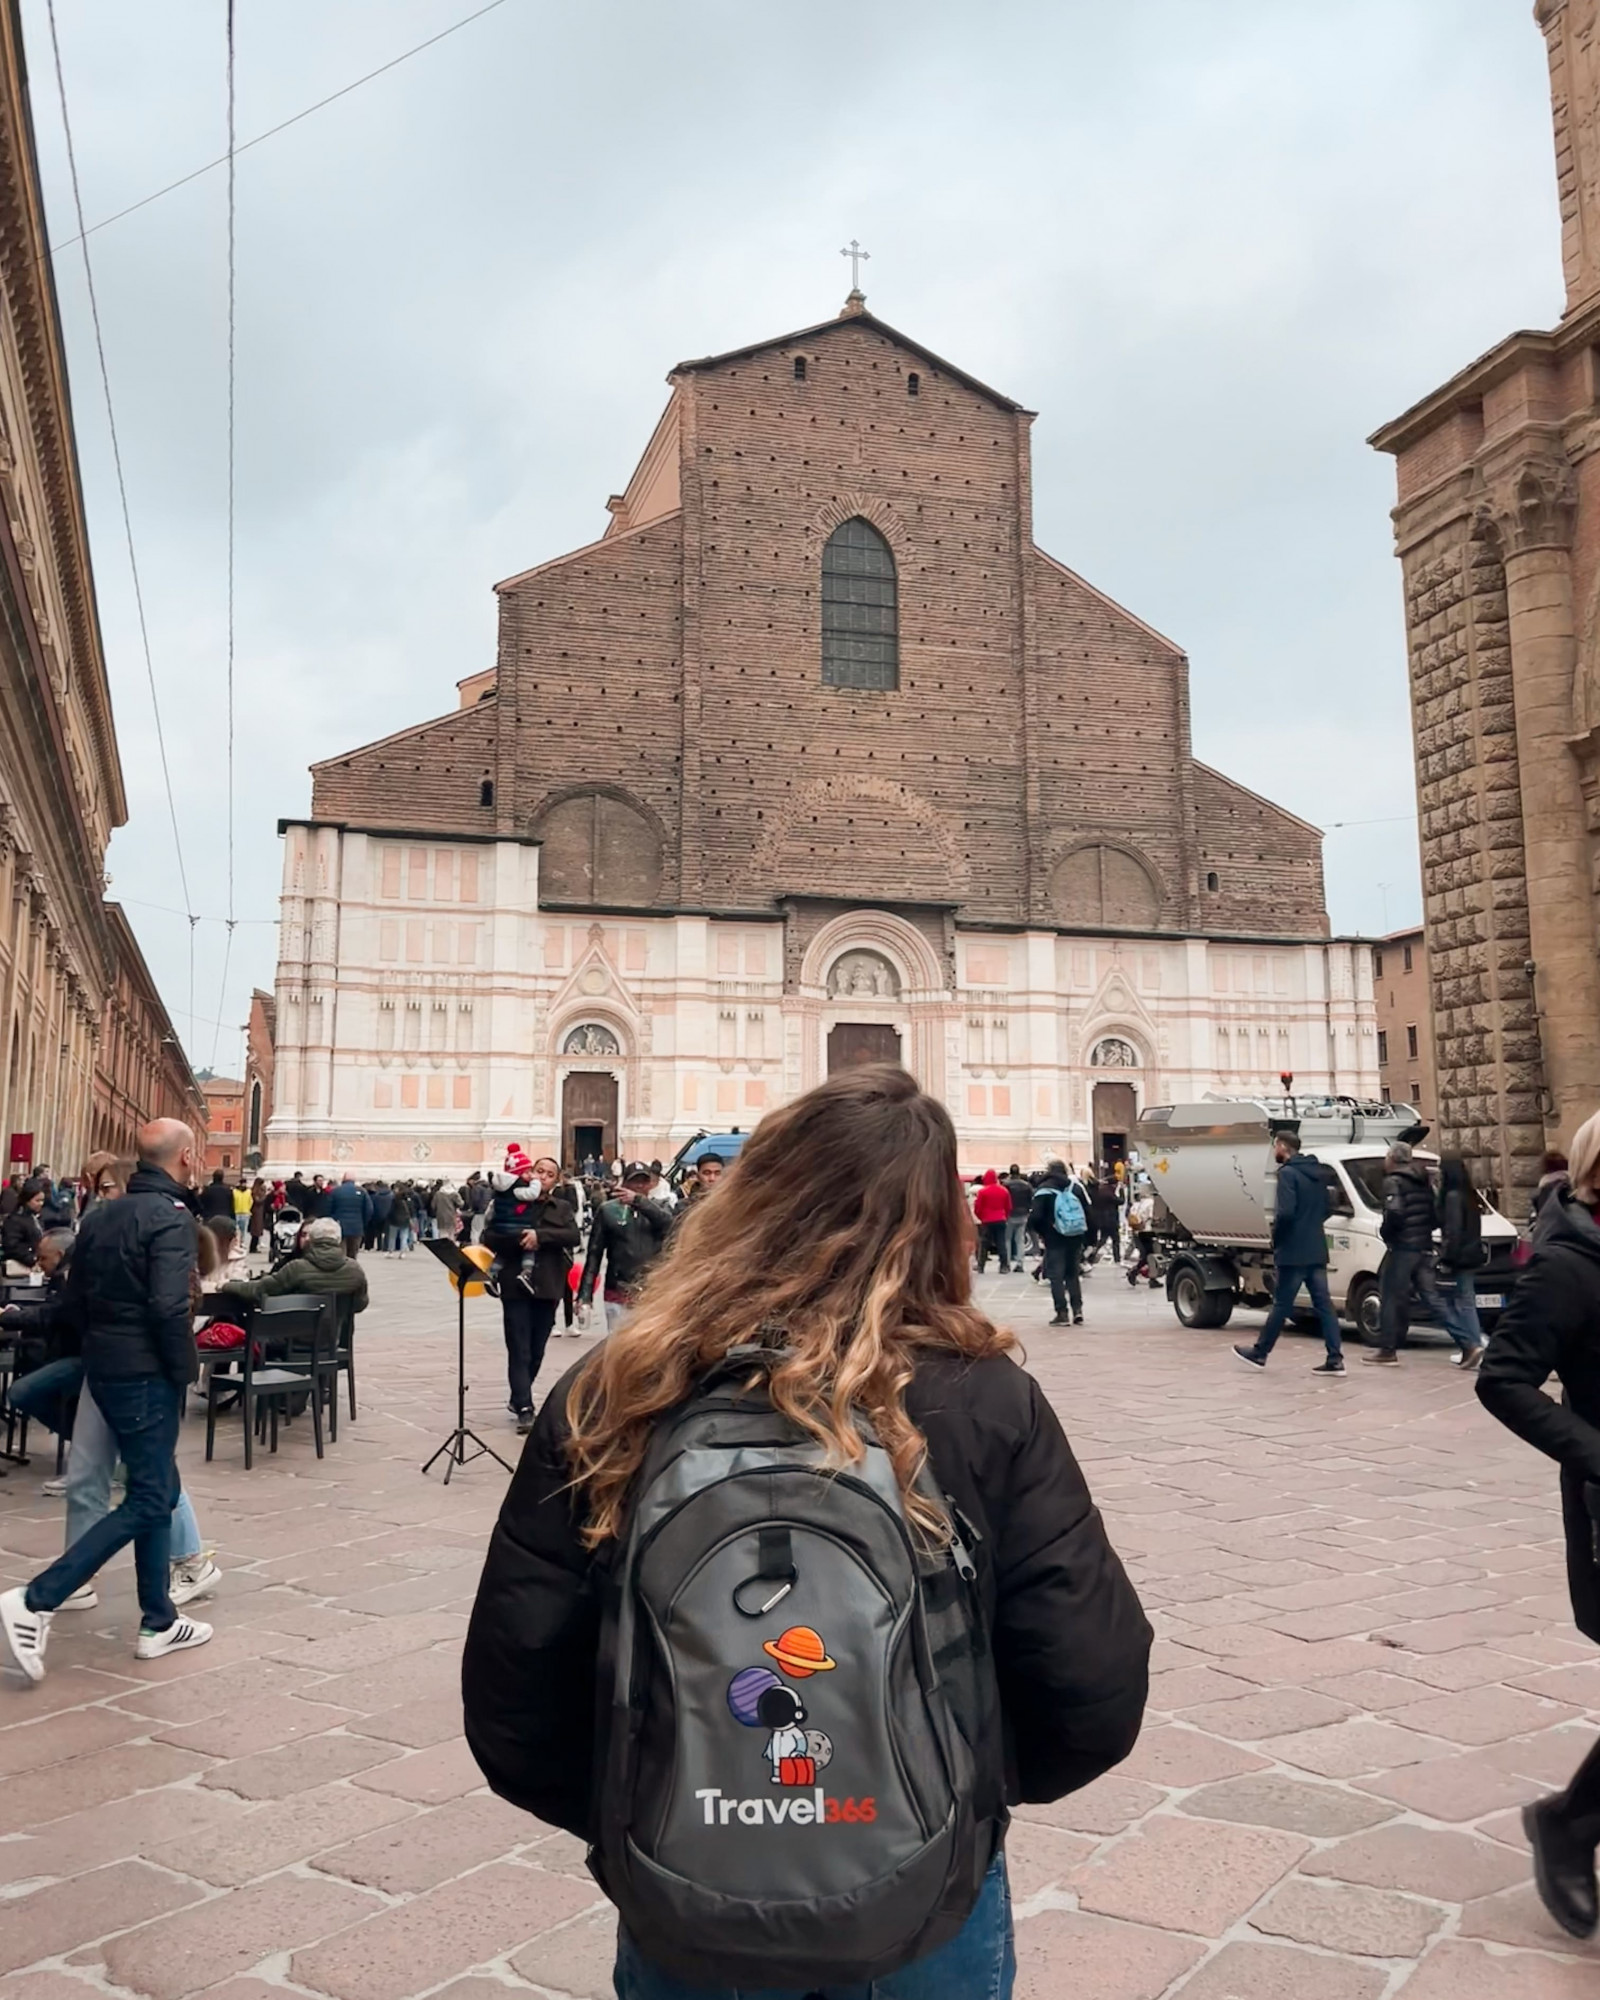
[
  {"x": 820, "y": 1746},
  {"x": 745, "y": 1691},
  {"x": 800, "y": 1652}
]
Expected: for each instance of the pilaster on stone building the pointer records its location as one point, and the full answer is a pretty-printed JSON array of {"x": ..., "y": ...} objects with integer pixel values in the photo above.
[{"x": 1498, "y": 532}]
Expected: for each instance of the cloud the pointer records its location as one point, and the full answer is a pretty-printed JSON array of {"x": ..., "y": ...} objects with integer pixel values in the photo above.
[{"x": 1213, "y": 246}]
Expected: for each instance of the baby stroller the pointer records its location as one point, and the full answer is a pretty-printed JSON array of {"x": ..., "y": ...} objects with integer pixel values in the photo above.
[{"x": 286, "y": 1226}]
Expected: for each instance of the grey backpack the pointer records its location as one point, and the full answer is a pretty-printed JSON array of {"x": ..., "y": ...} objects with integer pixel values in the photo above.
[{"x": 800, "y": 1772}]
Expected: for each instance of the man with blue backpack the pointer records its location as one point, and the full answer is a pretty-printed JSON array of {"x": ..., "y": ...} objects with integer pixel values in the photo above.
[{"x": 1059, "y": 1218}]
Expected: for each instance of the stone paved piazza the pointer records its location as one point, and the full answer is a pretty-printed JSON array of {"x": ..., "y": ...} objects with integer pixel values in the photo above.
[{"x": 1365, "y": 1666}]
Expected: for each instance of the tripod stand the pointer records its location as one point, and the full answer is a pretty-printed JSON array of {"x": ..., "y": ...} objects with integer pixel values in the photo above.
[{"x": 453, "y": 1451}]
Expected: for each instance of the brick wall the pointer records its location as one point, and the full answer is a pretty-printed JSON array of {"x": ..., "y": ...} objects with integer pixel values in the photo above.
[{"x": 428, "y": 777}]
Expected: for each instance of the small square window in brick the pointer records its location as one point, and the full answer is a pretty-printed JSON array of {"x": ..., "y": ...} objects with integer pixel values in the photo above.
[{"x": 860, "y": 622}]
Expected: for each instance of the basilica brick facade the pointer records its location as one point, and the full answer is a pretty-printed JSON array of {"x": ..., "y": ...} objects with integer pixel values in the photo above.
[
  {"x": 814, "y": 754},
  {"x": 1498, "y": 531}
]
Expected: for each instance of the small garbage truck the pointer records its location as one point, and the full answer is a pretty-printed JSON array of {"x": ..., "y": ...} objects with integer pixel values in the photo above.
[{"x": 1215, "y": 1178}]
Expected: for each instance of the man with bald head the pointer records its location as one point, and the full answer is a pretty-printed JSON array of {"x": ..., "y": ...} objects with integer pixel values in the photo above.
[{"x": 129, "y": 1294}]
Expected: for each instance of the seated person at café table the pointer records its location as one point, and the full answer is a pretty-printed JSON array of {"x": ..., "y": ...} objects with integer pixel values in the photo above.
[{"x": 321, "y": 1268}]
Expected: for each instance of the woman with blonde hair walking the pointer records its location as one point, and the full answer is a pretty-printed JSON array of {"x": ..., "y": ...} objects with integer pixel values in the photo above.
[
  {"x": 816, "y": 1315},
  {"x": 1551, "y": 1326}
]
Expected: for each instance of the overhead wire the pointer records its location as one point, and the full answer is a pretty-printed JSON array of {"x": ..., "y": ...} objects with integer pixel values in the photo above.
[
  {"x": 122, "y": 484},
  {"x": 272, "y": 131},
  {"x": 233, "y": 213}
]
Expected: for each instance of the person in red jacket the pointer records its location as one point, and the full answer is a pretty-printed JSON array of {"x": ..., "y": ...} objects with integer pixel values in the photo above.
[{"x": 992, "y": 1208}]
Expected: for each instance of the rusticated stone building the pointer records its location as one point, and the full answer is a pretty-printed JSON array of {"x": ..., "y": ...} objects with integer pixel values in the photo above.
[
  {"x": 814, "y": 756},
  {"x": 1498, "y": 531}
]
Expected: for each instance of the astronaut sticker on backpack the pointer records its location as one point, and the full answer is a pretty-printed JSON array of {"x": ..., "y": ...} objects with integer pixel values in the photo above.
[{"x": 760, "y": 1700}]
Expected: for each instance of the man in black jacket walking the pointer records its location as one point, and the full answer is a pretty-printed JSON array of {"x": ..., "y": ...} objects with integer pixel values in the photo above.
[
  {"x": 533, "y": 1234},
  {"x": 129, "y": 1292},
  {"x": 1410, "y": 1216}
]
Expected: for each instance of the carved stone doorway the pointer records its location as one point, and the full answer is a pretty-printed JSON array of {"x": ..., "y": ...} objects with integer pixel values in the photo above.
[
  {"x": 588, "y": 1116},
  {"x": 855, "y": 1042},
  {"x": 1115, "y": 1114}
]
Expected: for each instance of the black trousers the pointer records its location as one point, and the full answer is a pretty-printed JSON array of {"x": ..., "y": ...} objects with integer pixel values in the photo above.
[
  {"x": 1062, "y": 1255},
  {"x": 992, "y": 1243},
  {"x": 527, "y": 1328},
  {"x": 1581, "y": 1801}
]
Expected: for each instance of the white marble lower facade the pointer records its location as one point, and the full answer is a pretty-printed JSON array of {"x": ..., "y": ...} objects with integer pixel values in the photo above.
[{"x": 429, "y": 1011}]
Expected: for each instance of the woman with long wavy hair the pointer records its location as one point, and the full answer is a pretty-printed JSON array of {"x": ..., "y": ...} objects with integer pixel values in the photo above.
[{"x": 842, "y": 1240}]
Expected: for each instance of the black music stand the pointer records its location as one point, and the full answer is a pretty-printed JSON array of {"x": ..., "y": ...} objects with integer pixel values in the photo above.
[{"x": 453, "y": 1451}]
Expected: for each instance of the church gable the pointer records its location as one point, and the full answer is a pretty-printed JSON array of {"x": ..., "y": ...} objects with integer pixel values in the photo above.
[
  {"x": 427, "y": 779},
  {"x": 1260, "y": 866}
]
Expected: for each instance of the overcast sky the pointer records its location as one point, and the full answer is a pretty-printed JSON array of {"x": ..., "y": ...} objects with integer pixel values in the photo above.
[{"x": 1213, "y": 242}]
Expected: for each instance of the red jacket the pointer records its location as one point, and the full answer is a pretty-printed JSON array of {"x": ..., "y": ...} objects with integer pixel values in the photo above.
[{"x": 994, "y": 1202}]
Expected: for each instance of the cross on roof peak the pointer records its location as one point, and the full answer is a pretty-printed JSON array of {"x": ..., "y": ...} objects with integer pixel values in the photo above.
[{"x": 857, "y": 257}]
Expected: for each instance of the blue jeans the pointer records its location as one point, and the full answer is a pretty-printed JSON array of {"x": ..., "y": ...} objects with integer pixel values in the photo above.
[
  {"x": 142, "y": 1416},
  {"x": 48, "y": 1395},
  {"x": 1290, "y": 1278},
  {"x": 979, "y": 1963},
  {"x": 1016, "y": 1229},
  {"x": 89, "y": 1474},
  {"x": 1465, "y": 1284}
]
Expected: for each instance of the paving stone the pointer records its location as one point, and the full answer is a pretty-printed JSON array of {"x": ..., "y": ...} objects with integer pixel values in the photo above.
[
  {"x": 271, "y": 1836},
  {"x": 576, "y": 1960},
  {"x": 424, "y": 1849},
  {"x": 1482, "y": 1715},
  {"x": 1453, "y": 1788},
  {"x": 1174, "y": 1756},
  {"x": 1276, "y": 1972},
  {"x": 1182, "y": 1687},
  {"x": 1423, "y": 1860},
  {"x": 1063, "y": 1953},
  {"x": 419, "y": 1944},
  {"x": 1471, "y": 1972},
  {"x": 416, "y": 1724},
  {"x": 40, "y": 1796},
  {"x": 1291, "y": 1804},
  {"x": 1187, "y": 1874},
  {"x": 1037, "y": 1856},
  {"x": 253, "y": 1725},
  {"x": 200, "y": 1947},
  {"x": 447, "y": 1771},
  {"x": 1107, "y": 1806},
  {"x": 300, "y": 1767},
  {"x": 1374, "y": 1923},
  {"x": 1348, "y": 1749},
  {"x": 69, "y": 1914},
  {"x": 1270, "y": 1712},
  {"x": 1517, "y": 1917}
]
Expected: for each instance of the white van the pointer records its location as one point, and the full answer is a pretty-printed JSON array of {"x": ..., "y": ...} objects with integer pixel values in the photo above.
[{"x": 1215, "y": 1176}]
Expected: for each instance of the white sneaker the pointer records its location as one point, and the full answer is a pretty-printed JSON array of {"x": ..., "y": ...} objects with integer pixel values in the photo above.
[
  {"x": 84, "y": 1598},
  {"x": 27, "y": 1632},
  {"x": 180, "y": 1633},
  {"x": 53, "y": 1489},
  {"x": 192, "y": 1577}
]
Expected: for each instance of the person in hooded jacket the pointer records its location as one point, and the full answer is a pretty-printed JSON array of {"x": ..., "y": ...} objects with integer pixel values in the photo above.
[
  {"x": 1551, "y": 1326},
  {"x": 1554, "y": 1175},
  {"x": 1461, "y": 1251},
  {"x": 844, "y": 1222},
  {"x": 21, "y": 1230},
  {"x": 1063, "y": 1255},
  {"x": 992, "y": 1211},
  {"x": 1299, "y": 1254},
  {"x": 1410, "y": 1216}
]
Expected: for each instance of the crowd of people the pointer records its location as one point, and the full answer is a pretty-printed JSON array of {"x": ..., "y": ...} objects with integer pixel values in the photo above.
[{"x": 820, "y": 1315}]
